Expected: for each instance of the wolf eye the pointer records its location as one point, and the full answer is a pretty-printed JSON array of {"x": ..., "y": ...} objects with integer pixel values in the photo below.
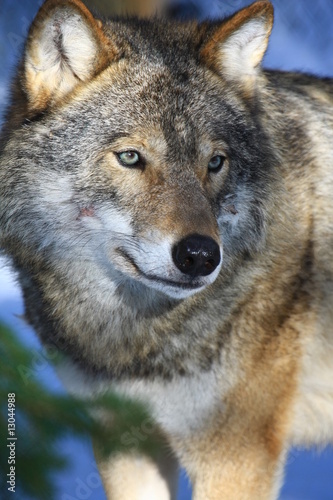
[
  {"x": 129, "y": 158},
  {"x": 216, "y": 163}
]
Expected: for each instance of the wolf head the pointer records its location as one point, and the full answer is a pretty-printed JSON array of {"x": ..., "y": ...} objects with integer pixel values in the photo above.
[{"x": 140, "y": 149}]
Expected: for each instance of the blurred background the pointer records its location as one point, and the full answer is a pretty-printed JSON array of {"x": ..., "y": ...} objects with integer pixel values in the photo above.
[{"x": 302, "y": 39}]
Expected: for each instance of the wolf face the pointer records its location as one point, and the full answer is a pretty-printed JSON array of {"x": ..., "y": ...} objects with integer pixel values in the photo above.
[{"x": 142, "y": 169}]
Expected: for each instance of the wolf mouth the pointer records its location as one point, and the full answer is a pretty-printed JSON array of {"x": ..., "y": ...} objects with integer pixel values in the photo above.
[{"x": 176, "y": 284}]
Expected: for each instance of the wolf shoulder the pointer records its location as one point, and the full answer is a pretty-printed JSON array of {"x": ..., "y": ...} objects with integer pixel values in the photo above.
[{"x": 297, "y": 112}]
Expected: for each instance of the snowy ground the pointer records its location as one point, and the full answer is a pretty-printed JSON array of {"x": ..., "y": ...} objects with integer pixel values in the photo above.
[{"x": 302, "y": 39}]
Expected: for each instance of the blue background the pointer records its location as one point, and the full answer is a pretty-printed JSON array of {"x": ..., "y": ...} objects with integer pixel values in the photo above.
[{"x": 302, "y": 39}]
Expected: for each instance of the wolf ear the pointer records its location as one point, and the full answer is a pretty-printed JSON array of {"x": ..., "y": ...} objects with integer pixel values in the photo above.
[
  {"x": 65, "y": 46},
  {"x": 236, "y": 48}
]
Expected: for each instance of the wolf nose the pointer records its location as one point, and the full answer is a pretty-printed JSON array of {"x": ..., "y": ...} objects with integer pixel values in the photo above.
[{"x": 196, "y": 255}]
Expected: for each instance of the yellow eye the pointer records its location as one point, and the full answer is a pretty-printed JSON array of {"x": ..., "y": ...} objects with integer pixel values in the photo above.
[
  {"x": 216, "y": 163},
  {"x": 129, "y": 158}
]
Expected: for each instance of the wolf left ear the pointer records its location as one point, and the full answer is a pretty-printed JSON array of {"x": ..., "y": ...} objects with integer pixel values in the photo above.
[
  {"x": 65, "y": 46},
  {"x": 236, "y": 47}
]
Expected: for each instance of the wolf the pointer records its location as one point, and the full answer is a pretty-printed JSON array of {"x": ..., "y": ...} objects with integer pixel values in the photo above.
[{"x": 167, "y": 206}]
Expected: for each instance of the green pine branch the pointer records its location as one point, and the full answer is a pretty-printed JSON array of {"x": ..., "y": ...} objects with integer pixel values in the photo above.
[{"x": 42, "y": 418}]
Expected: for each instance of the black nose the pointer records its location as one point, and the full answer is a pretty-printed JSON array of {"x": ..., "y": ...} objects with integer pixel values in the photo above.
[{"x": 196, "y": 255}]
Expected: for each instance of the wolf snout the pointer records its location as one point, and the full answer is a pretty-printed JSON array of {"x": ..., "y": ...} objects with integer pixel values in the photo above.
[{"x": 196, "y": 255}]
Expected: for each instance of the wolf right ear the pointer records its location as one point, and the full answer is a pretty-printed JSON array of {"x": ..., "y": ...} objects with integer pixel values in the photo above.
[{"x": 66, "y": 45}]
